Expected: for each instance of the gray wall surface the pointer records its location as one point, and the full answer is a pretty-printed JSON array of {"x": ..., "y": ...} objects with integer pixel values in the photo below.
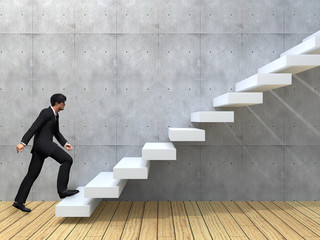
[{"x": 132, "y": 68}]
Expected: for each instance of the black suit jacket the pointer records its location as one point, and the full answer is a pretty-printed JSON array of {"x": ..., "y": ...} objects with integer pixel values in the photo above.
[{"x": 44, "y": 128}]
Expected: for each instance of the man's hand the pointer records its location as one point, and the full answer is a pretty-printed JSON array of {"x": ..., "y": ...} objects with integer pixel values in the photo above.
[
  {"x": 20, "y": 147},
  {"x": 68, "y": 147}
]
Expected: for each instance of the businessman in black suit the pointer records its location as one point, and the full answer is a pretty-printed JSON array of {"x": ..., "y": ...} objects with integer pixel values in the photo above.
[{"x": 44, "y": 128}]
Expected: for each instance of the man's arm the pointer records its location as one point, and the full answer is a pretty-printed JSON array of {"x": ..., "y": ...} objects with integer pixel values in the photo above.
[
  {"x": 61, "y": 139},
  {"x": 38, "y": 123}
]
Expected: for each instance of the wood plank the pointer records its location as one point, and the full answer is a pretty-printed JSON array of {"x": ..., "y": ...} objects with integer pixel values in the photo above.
[
  {"x": 13, "y": 215},
  {"x": 315, "y": 208},
  {"x": 245, "y": 223},
  {"x": 133, "y": 225},
  {"x": 17, "y": 226},
  {"x": 149, "y": 227},
  {"x": 180, "y": 220},
  {"x": 198, "y": 225},
  {"x": 101, "y": 224},
  {"x": 316, "y": 203},
  {"x": 306, "y": 211},
  {"x": 285, "y": 217},
  {"x": 276, "y": 222},
  {"x": 63, "y": 230},
  {"x": 50, "y": 226},
  {"x": 118, "y": 221},
  {"x": 4, "y": 206},
  {"x": 165, "y": 221},
  {"x": 303, "y": 219},
  {"x": 231, "y": 226},
  {"x": 39, "y": 222},
  {"x": 84, "y": 225},
  {"x": 215, "y": 227},
  {"x": 269, "y": 231},
  {"x": 12, "y": 212}
]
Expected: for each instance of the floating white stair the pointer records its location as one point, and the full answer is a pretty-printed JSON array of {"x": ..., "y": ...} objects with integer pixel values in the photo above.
[
  {"x": 131, "y": 168},
  {"x": 104, "y": 186},
  {"x": 310, "y": 46},
  {"x": 187, "y": 134},
  {"x": 236, "y": 99},
  {"x": 159, "y": 151},
  {"x": 77, "y": 205},
  {"x": 264, "y": 82},
  {"x": 314, "y": 34},
  {"x": 291, "y": 64},
  {"x": 212, "y": 116}
]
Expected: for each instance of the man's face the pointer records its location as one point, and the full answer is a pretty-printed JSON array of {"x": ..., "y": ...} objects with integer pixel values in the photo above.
[{"x": 61, "y": 105}]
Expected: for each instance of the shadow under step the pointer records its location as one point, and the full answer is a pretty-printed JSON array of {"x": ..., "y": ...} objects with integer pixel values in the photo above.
[{"x": 131, "y": 168}]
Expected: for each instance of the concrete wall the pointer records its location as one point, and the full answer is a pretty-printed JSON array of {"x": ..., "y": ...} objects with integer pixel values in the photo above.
[{"x": 132, "y": 68}]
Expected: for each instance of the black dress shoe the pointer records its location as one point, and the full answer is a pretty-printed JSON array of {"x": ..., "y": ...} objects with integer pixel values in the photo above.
[
  {"x": 21, "y": 207},
  {"x": 67, "y": 193}
]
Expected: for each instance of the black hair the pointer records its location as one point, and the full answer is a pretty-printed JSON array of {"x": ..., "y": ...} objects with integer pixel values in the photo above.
[{"x": 58, "y": 97}]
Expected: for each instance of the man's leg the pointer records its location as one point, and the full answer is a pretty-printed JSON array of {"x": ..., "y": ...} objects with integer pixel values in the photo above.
[
  {"x": 33, "y": 172},
  {"x": 66, "y": 161}
]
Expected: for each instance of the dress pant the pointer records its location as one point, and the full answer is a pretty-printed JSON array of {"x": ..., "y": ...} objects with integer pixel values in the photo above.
[{"x": 34, "y": 170}]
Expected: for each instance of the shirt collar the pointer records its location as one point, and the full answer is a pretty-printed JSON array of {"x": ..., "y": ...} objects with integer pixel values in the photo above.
[{"x": 54, "y": 112}]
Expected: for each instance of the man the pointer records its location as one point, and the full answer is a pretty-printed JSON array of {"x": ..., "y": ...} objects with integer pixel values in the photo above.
[{"x": 44, "y": 128}]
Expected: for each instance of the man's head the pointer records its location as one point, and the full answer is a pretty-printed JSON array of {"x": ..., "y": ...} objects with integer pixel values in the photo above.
[{"x": 58, "y": 100}]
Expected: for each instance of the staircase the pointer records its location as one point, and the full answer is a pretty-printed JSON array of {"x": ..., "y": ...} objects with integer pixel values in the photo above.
[{"x": 274, "y": 75}]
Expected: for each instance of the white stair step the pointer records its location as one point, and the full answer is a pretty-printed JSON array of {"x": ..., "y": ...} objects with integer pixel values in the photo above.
[
  {"x": 159, "y": 151},
  {"x": 187, "y": 135},
  {"x": 264, "y": 82},
  {"x": 291, "y": 64},
  {"x": 77, "y": 205},
  {"x": 131, "y": 168},
  {"x": 212, "y": 116},
  {"x": 104, "y": 186},
  {"x": 236, "y": 99},
  {"x": 314, "y": 34},
  {"x": 310, "y": 46}
]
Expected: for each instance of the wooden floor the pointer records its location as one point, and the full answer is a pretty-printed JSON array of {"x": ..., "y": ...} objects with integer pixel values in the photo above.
[{"x": 167, "y": 220}]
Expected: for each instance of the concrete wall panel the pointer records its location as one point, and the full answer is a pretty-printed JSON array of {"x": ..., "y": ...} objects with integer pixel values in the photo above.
[
  {"x": 302, "y": 122},
  {"x": 138, "y": 16},
  {"x": 16, "y": 16},
  {"x": 179, "y": 75},
  {"x": 54, "y": 16},
  {"x": 301, "y": 179},
  {"x": 301, "y": 16},
  {"x": 180, "y": 180},
  {"x": 137, "y": 89},
  {"x": 15, "y": 87},
  {"x": 261, "y": 16},
  {"x": 181, "y": 16},
  {"x": 263, "y": 124},
  {"x": 263, "y": 173},
  {"x": 13, "y": 169},
  {"x": 95, "y": 16},
  {"x": 221, "y": 16},
  {"x": 221, "y": 175},
  {"x": 259, "y": 50},
  {"x": 221, "y": 64}
]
